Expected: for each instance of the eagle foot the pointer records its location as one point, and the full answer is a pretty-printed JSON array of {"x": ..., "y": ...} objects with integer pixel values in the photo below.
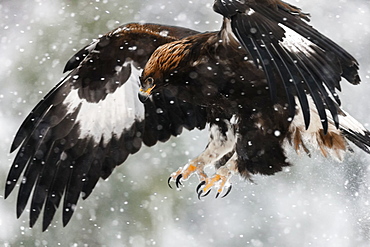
[
  {"x": 220, "y": 181},
  {"x": 183, "y": 174}
]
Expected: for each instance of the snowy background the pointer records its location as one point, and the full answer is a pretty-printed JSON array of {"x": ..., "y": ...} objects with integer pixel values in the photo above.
[{"x": 316, "y": 202}]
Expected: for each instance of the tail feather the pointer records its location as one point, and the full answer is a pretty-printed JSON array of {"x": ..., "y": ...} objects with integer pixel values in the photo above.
[
  {"x": 334, "y": 143},
  {"x": 360, "y": 140},
  {"x": 354, "y": 131}
]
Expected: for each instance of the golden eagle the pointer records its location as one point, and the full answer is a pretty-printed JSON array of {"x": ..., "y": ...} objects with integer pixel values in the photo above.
[{"x": 266, "y": 79}]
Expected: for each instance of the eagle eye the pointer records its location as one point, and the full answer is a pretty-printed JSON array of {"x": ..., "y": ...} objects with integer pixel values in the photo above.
[{"x": 149, "y": 80}]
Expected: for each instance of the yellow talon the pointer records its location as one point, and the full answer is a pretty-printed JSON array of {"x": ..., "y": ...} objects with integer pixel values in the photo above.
[
  {"x": 211, "y": 182},
  {"x": 184, "y": 173}
]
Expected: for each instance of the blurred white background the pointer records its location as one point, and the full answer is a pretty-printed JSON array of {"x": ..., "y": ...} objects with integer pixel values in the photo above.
[{"x": 317, "y": 202}]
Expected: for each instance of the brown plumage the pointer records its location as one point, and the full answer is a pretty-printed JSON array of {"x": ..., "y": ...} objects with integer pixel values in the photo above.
[
  {"x": 273, "y": 86},
  {"x": 266, "y": 78}
]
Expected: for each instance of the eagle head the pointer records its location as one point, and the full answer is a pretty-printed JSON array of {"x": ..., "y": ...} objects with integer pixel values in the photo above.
[{"x": 163, "y": 63}]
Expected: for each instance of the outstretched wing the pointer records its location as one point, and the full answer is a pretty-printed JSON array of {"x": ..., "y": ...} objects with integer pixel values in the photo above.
[
  {"x": 286, "y": 47},
  {"x": 93, "y": 119}
]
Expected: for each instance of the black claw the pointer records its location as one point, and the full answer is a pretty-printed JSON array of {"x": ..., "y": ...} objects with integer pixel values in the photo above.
[
  {"x": 178, "y": 180},
  {"x": 168, "y": 182},
  {"x": 206, "y": 194},
  {"x": 228, "y": 191},
  {"x": 218, "y": 193},
  {"x": 199, "y": 194},
  {"x": 199, "y": 186}
]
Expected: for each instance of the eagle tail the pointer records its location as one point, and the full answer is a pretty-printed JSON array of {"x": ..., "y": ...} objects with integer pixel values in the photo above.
[
  {"x": 354, "y": 131},
  {"x": 334, "y": 143}
]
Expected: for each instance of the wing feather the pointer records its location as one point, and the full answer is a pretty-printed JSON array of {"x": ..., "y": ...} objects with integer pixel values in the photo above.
[
  {"x": 285, "y": 46},
  {"x": 92, "y": 120},
  {"x": 57, "y": 188}
]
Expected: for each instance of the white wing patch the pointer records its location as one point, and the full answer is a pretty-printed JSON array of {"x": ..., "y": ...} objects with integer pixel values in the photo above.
[
  {"x": 118, "y": 111},
  {"x": 296, "y": 43}
]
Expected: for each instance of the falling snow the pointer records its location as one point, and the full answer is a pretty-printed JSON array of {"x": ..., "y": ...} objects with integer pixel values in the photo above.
[{"x": 314, "y": 203}]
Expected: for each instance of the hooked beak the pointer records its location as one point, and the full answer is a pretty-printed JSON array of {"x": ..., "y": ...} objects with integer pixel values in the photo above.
[
  {"x": 145, "y": 93},
  {"x": 146, "y": 88}
]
